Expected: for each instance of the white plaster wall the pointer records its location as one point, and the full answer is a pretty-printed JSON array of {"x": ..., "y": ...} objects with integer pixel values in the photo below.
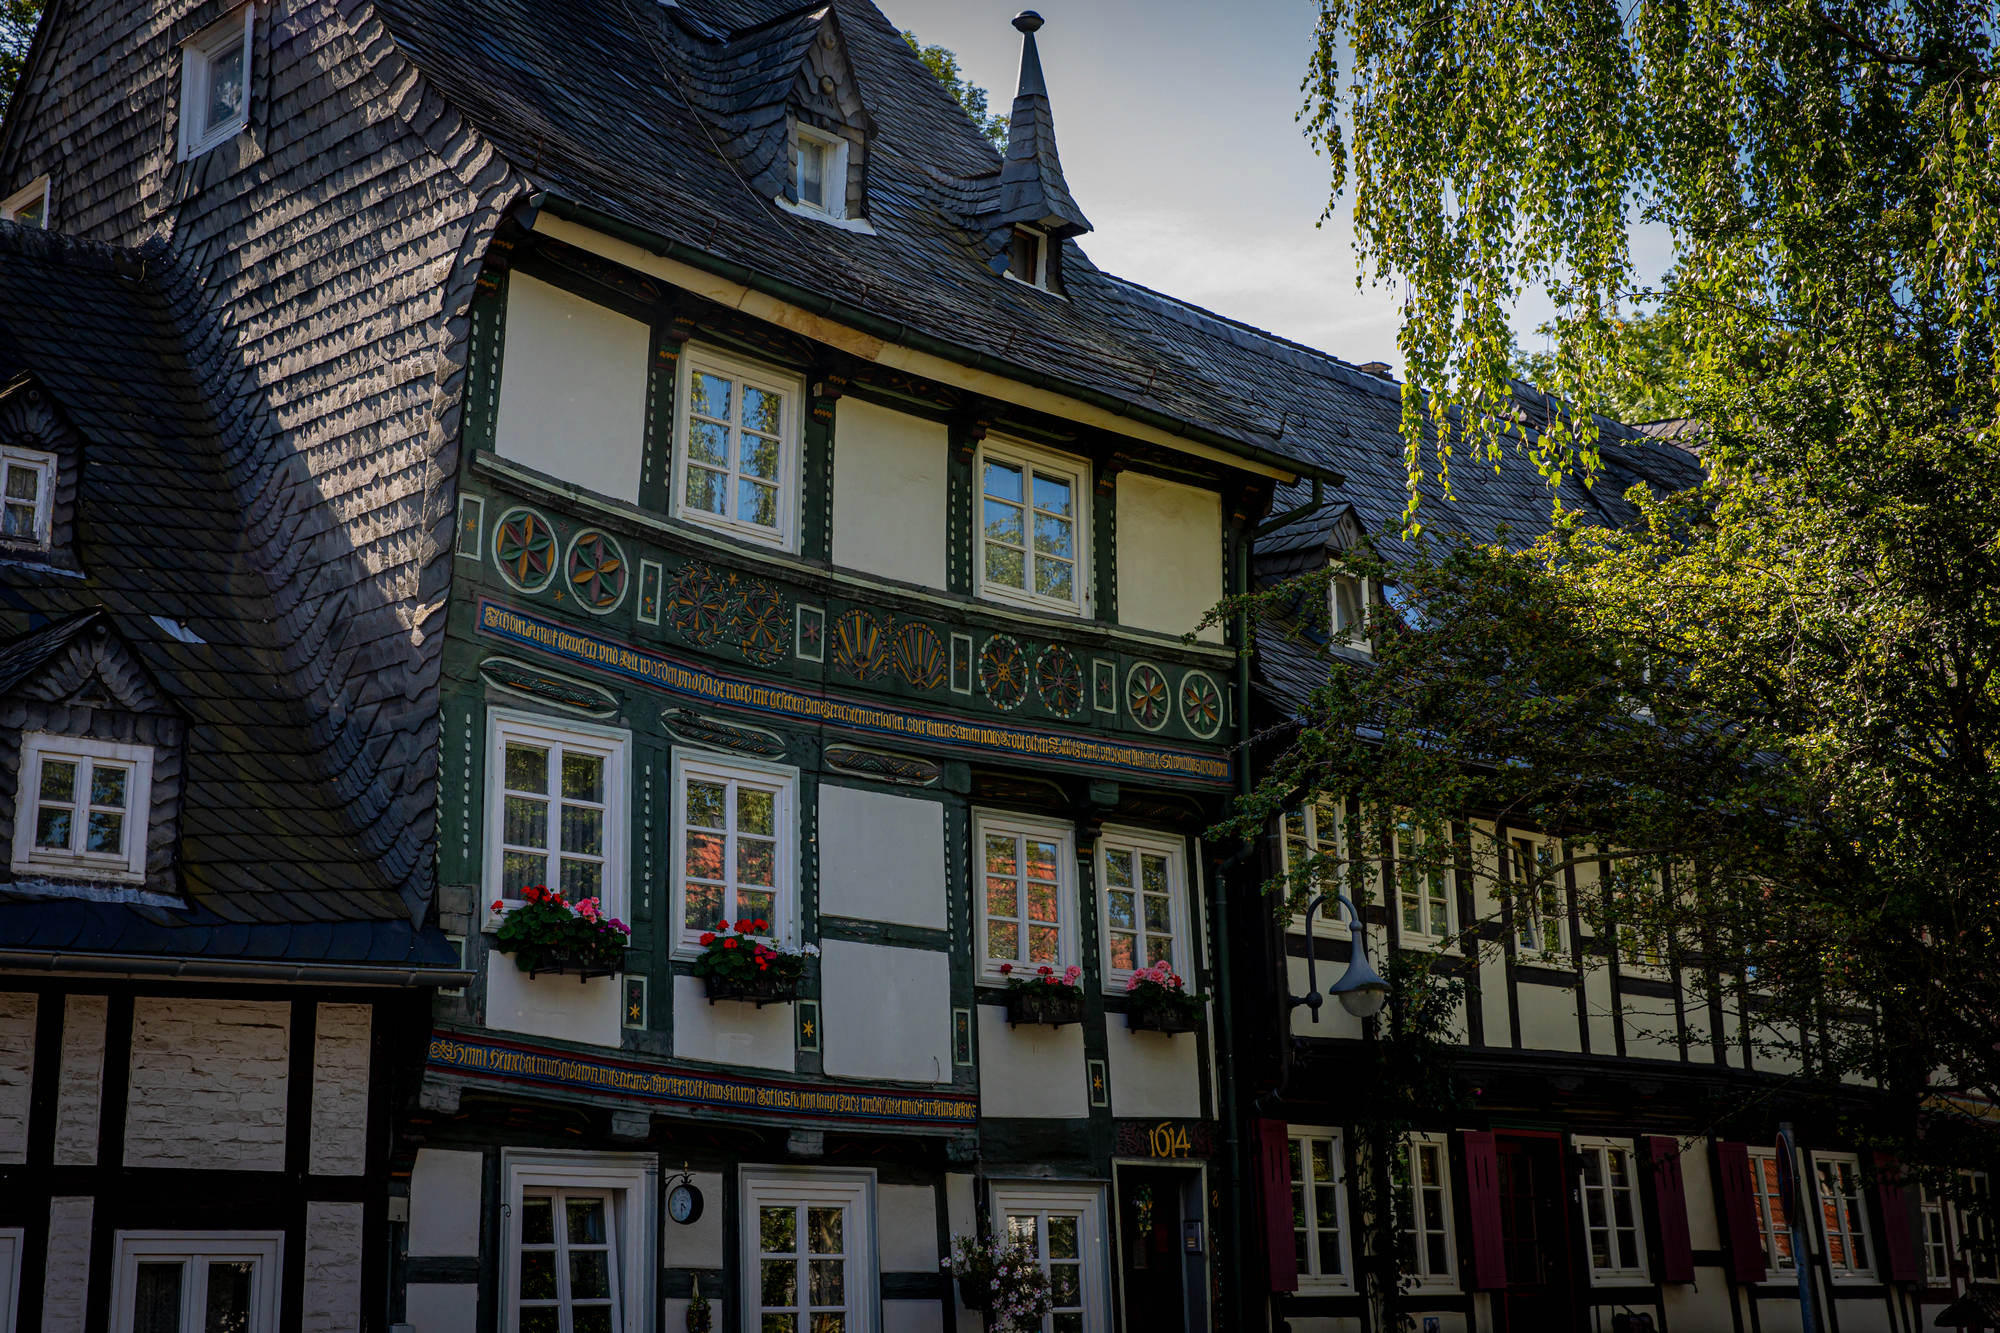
[
  {"x": 1152, "y": 1074},
  {"x": 1493, "y": 1011},
  {"x": 698, "y": 1245},
  {"x": 912, "y": 1317},
  {"x": 1598, "y": 1012},
  {"x": 881, "y": 857},
  {"x": 340, "y": 1090},
  {"x": 960, "y": 1206},
  {"x": 66, "y": 1280},
  {"x": 333, "y": 1268},
  {"x": 1334, "y": 1021},
  {"x": 80, "y": 1084},
  {"x": 1700, "y": 1045},
  {"x": 731, "y": 1032},
  {"x": 17, "y": 1072},
  {"x": 550, "y": 1005},
  {"x": 444, "y": 1203},
  {"x": 889, "y": 504},
  {"x": 1030, "y": 1071},
  {"x": 906, "y": 1223},
  {"x": 885, "y": 1013},
  {"x": 572, "y": 389},
  {"x": 1169, "y": 554},
  {"x": 1649, "y": 1027},
  {"x": 1699, "y": 1185},
  {"x": 1548, "y": 1018},
  {"x": 437, "y": 1307},
  {"x": 208, "y": 1084}
]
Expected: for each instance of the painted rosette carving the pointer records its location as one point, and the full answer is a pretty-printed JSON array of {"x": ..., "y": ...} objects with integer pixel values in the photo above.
[
  {"x": 919, "y": 656},
  {"x": 860, "y": 644},
  {"x": 1147, "y": 696},
  {"x": 596, "y": 571},
  {"x": 1003, "y": 672},
  {"x": 763, "y": 625},
  {"x": 1059, "y": 680},
  {"x": 698, "y": 603},
  {"x": 524, "y": 547},
  {"x": 1201, "y": 704}
]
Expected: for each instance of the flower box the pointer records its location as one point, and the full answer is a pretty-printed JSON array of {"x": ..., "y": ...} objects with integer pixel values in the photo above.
[
  {"x": 583, "y": 967},
  {"x": 1170, "y": 1019},
  {"x": 760, "y": 992},
  {"x": 1054, "y": 1005},
  {"x": 548, "y": 933}
]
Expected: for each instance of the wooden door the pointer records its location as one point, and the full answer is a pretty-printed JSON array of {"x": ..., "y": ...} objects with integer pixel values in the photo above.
[{"x": 1534, "y": 1233}]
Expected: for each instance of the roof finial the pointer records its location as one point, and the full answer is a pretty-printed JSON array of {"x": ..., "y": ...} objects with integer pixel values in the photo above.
[
  {"x": 1028, "y": 23},
  {"x": 1032, "y": 188}
]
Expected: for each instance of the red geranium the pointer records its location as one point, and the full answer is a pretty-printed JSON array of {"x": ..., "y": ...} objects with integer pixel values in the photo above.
[
  {"x": 707, "y": 938},
  {"x": 729, "y": 943}
]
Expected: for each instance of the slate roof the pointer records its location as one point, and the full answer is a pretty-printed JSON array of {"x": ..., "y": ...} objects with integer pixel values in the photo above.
[{"x": 273, "y": 827}]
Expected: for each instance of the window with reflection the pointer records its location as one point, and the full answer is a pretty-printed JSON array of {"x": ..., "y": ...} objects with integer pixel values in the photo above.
[
  {"x": 1026, "y": 901},
  {"x": 736, "y": 469},
  {"x": 734, "y": 836},
  {"x": 555, "y": 811},
  {"x": 1031, "y": 527},
  {"x": 195, "y": 1282},
  {"x": 1143, "y": 906},
  {"x": 568, "y": 1263}
]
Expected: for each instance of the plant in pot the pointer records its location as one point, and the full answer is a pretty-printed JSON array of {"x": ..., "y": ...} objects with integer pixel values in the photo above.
[
  {"x": 1001, "y": 1276},
  {"x": 736, "y": 963},
  {"x": 1158, "y": 1001},
  {"x": 1050, "y": 997},
  {"x": 548, "y": 933}
]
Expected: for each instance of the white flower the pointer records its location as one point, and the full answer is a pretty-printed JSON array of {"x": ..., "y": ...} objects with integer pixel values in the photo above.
[{"x": 812, "y": 951}]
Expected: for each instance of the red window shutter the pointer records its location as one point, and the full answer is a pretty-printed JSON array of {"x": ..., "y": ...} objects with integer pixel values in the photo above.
[
  {"x": 1892, "y": 1205},
  {"x": 1274, "y": 1172},
  {"x": 1670, "y": 1210},
  {"x": 1482, "y": 1194},
  {"x": 1739, "y": 1210}
]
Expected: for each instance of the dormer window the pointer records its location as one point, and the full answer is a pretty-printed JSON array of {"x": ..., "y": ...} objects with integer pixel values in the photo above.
[
  {"x": 819, "y": 170},
  {"x": 29, "y": 207},
  {"x": 1028, "y": 257},
  {"x": 1348, "y": 612},
  {"x": 82, "y": 813},
  {"x": 215, "y": 84},
  {"x": 27, "y": 485}
]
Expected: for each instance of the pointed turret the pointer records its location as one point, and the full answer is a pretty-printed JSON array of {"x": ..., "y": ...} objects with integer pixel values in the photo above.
[{"x": 1032, "y": 189}]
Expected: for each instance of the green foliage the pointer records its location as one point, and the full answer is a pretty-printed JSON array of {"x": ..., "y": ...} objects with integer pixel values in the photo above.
[
  {"x": 17, "y": 32},
  {"x": 972, "y": 97},
  {"x": 739, "y": 956},
  {"x": 1646, "y": 379},
  {"x": 547, "y": 930}
]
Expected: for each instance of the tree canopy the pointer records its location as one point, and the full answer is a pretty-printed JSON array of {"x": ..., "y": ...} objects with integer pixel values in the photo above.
[
  {"x": 17, "y": 32},
  {"x": 1767, "y": 711},
  {"x": 971, "y": 96}
]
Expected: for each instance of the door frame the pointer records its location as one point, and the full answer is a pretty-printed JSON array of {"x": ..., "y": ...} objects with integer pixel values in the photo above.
[
  {"x": 1195, "y": 1293},
  {"x": 1565, "y": 1183}
]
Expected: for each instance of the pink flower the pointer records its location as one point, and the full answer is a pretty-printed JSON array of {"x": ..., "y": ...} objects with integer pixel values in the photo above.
[
  {"x": 1071, "y": 973},
  {"x": 587, "y": 909}
]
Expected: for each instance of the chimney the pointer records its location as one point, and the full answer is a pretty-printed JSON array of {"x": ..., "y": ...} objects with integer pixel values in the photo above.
[
  {"x": 1032, "y": 189},
  {"x": 1379, "y": 369}
]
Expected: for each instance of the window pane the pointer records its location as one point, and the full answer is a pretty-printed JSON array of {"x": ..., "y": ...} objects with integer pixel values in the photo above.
[
  {"x": 1124, "y": 952},
  {"x": 583, "y": 777},
  {"x": 156, "y": 1298},
  {"x": 58, "y": 780},
  {"x": 525, "y": 822},
  {"x": 704, "y": 857},
  {"x": 708, "y": 442},
  {"x": 527, "y": 768},
  {"x": 20, "y": 521},
  {"x": 107, "y": 833},
  {"x": 586, "y": 1223},
  {"x": 1042, "y": 859},
  {"x": 706, "y": 491},
  {"x": 1121, "y": 910},
  {"x": 829, "y": 1322},
  {"x": 999, "y": 855},
  {"x": 225, "y": 87},
  {"x": 780, "y": 1284},
  {"x": 812, "y": 173},
  {"x": 757, "y": 504},
  {"x": 776, "y": 1229},
  {"x": 538, "y": 1225},
  {"x": 762, "y": 411},
  {"x": 1003, "y": 941},
  {"x": 1041, "y": 900},
  {"x": 1041, "y": 944},
  {"x": 228, "y": 1298},
  {"x": 1065, "y": 1280},
  {"x": 1054, "y": 578},
  {"x": 705, "y": 806},
  {"x": 583, "y": 830},
  {"x": 545, "y": 1320},
  {"x": 1062, "y": 1238},
  {"x": 1322, "y": 1160},
  {"x": 589, "y": 1274},
  {"x": 780, "y": 1323},
  {"x": 520, "y": 870},
  {"x": 709, "y": 395},
  {"x": 1118, "y": 871},
  {"x": 755, "y": 904},
  {"x": 1053, "y": 536},
  {"x": 760, "y": 457},
  {"x": 1052, "y": 495},
  {"x": 1001, "y": 897},
  {"x": 538, "y": 1275},
  {"x": 1159, "y": 949},
  {"x": 52, "y": 828},
  {"x": 107, "y": 786},
  {"x": 1006, "y": 566},
  {"x": 1003, "y": 481},
  {"x": 591, "y": 1319},
  {"x": 1158, "y": 914},
  {"x": 582, "y": 879},
  {"x": 23, "y": 483},
  {"x": 756, "y": 861},
  {"x": 827, "y": 1286},
  {"x": 756, "y": 812},
  {"x": 1003, "y": 522},
  {"x": 823, "y": 1230},
  {"x": 1024, "y": 1227}
]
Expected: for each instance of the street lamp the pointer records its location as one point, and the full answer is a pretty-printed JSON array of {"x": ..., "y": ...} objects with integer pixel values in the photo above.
[{"x": 1360, "y": 990}]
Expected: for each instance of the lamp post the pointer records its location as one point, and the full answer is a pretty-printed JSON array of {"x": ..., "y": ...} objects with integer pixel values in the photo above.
[{"x": 1361, "y": 990}]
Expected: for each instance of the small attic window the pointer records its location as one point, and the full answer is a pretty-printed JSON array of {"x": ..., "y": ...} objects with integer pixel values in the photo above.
[
  {"x": 29, "y": 207},
  {"x": 819, "y": 171},
  {"x": 1028, "y": 257},
  {"x": 83, "y": 808},
  {"x": 215, "y": 83},
  {"x": 27, "y": 490},
  {"x": 1348, "y": 599}
]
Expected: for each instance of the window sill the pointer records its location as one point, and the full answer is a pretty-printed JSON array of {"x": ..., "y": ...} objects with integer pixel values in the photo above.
[
  {"x": 1018, "y": 281},
  {"x": 748, "y": 533},
  {"x": 1029, "y": 602},
  {"x": 859, "y": 226},
  {"x": 1620, "y": 1280},
  {"x": 213, "y": 140},
  {"x": 89, "y": 872}
]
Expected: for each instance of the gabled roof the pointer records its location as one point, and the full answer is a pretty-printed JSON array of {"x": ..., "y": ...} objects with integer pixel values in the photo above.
[
  {"x": 284, "y": 818},
  {"x": 1032, "y": 188}
]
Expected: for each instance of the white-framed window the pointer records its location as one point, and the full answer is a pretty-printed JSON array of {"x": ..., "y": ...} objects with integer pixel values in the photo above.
[
  {"x": 82, "y": 808},
  {"x": 1423, "y": 1170},
  {"x": 1843, "y": 1217},
  {"x": 1027, "y": 901},
  {"x": 1423, "y": 894},
  {"x": 1034, "y": 529},
  {"x": 1643, "y": 946},
  {"x": 1319, "y": 1209},
  {"x": 1064, "y": 1227},
  {"x": 1774, "y": 1227},
  {"x": 1318, "y": 828},
  {"x": 196, "y": 1281},
  {"x": 1614, "y": 1236},
  {"x": 1143, "y": 886},
  {"x": 1028, "y": 256},
  {"x": 809, "y": 1250},
  {"x": 555, "y": 810},
  {"x": 1975, "y": 1229},
  {"x": 819, "y": 170},
  {"x": 215, "y": 83},
  {"x": 1537, "y": 898},
  {"x": 1348, "y": 597},
  {"x": 1936, "y": 1238},
  {"x": 27, "y": 495},
  {"x": 12, "y": 1241},
  {"x": 735, "y": 836},
  {"x": 578, "y": 1254},
  {"x": 736, "y": 464},
  {"x": 29, "y": 205}
]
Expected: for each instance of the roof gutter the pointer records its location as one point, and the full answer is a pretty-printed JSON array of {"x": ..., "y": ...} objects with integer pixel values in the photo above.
[
  {"x": 903, "y": 335},
  {"x": 196, "y": 968}
]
